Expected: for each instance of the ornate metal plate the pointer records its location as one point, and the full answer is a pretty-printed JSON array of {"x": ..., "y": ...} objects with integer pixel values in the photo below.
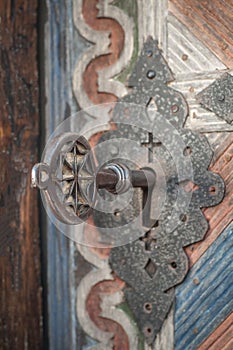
[
  {"x": 153, "y": 264},
  {"x": 218, "y": 97},
  {"x": 147, "y": 228}
]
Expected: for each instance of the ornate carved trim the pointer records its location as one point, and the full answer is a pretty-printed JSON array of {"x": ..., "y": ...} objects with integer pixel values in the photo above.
[
  {"x": 108, "y": 57},
  {"x": 152, "y": 21},
  {"x": 102, "y": 47}
]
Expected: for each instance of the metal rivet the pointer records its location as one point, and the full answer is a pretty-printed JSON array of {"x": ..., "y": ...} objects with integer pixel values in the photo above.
[
  {"x": 117, "y": 213},
  {"x": 196, "y": 281},
  {"x": 224, "y": 46},
  {"x": 175, "y": 108},
  {"x": 148, "y": 307},
  {"x": 184, "y": 57},
  {"x": 151, "y": 74},
  {"x": 148, "y": 331},
  {"x": 149, "y": 53},
  {"x": 183, "y": 217},
  {"x": 221, "y": 98},
  {"x": 173, "y": 264},
  {"x": 213, "y": 190}
]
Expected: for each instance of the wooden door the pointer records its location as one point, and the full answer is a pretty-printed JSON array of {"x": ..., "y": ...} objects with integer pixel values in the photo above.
[
  {"x": 21, "y": 321},
  {"x": 87, "y": 44}
]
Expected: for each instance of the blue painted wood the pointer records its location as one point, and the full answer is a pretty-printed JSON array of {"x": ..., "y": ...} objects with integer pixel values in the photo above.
[
  {"x": 62, "y": 47},
  {"x": 205, "y": 298}
]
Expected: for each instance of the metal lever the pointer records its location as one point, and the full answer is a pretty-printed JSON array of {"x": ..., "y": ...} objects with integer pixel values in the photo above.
[
  {"x": 70, "y": 180},
  {"x": 113, "y": 177}
]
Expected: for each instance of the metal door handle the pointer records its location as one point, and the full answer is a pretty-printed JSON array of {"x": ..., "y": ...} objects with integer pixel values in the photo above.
[{"x": 150, "y": 257}]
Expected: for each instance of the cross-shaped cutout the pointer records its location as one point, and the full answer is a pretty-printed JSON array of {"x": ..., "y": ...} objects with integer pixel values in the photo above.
[{"x": 150, "y": 145}]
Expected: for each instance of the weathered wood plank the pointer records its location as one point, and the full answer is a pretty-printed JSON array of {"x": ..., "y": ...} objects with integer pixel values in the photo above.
[
  {"x": 20, "y": 270},
  {"x": 211, "y": 22},
  {"x": 200, "y": 119},
  {"x": 220, "y": 216},
  {"x": 221, "y": 337},
  {"x": 205, "y": 299},
  {"x": 64, "y": 47},
  {"x": 152, "y": 21},
  {"x": 186, "y": 53},
  {"x": 60, "y": 50}
]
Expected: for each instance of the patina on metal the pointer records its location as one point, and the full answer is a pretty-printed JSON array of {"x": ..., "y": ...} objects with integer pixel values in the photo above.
[
  {"x": 152, "y": 116},
  {"x": 218, "y": 97},
  {"x": 153, "y": 264},
  {"x": 66, "y": 177},
  {"x": 71, "y": 178},
  {"x": 108, "y": 179}
]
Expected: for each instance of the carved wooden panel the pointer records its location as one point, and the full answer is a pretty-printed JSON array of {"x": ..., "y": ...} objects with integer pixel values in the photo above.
[
  {"x": 97, "y": 43},
  {"x": 200, "y": 49}
]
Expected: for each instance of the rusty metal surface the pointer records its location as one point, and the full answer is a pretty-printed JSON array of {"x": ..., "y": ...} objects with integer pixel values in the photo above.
[
  {"x": 152, "y": 265},
  {"x": 152, "y": 227}
]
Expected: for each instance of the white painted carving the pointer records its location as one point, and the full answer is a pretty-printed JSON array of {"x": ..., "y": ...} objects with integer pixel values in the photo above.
[
  {"x": 106, "y": 83},
  {"x": 105, "y": 75},
  {"x": 186, "y": 53},
  {"x": 101, "y": 43},
  {"x": 88, "y": 255},
  {"x": 108, "y": 306},
  {"x": 83, "y": 290},
  {"x": 195, "y": 67},
  {"x": 152, "y": 21}
]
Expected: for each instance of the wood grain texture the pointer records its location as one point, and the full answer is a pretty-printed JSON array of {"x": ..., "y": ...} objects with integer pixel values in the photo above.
[
  {"x": 200, "y": 119},
  {"x": 195, "y": 67},
  {"x": 20, "y": 270},
  {"x": 64, "y": 47},
  {"x": 186, "y": 53},
  {"x": 221, "y": 338},
  {"x": 211, "y": 21},
  {"x": 205, "y": 299},
  {"x": 60, "y": 49}
]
